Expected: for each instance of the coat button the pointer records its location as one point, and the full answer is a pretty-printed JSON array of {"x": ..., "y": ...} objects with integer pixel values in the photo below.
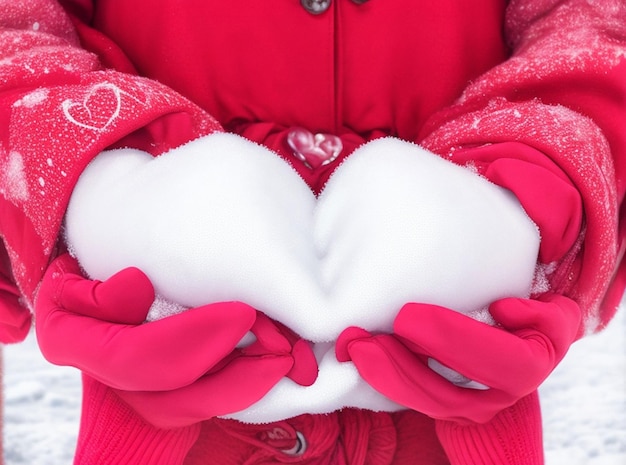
[{"x": 315, "y": 7}]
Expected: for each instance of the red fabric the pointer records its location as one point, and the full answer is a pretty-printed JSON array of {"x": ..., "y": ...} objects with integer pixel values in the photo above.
[
  {"x": 15, "y": 319},
  {"x": 336, "y": 75},
  {"x": 112, "y": 433},
  {"x": 355, "y": 437},
  {"x": 512, "y": 436},
  {"x": 350, "y": 437}
]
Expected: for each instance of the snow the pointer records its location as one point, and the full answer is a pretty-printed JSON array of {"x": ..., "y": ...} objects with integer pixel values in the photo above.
[
  {"x": 584, "y": 401},
  {"x": 343, "y": 256},
  {"x": 42, "y": 407},
  {"x": 584, "y": 404},
  {"x": 316, "y": 264}
]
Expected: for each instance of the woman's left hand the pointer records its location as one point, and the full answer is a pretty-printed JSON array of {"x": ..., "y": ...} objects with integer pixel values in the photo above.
[{"x": 512, "y": 357}]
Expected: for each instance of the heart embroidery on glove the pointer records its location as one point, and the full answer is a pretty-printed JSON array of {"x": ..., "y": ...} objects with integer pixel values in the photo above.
[{"x": 314, "y": 150}]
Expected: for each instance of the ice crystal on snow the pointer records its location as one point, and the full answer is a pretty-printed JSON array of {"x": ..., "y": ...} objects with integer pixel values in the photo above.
[
  {"x": 541, "y": 282},
  {"x": 162, "y": 307}
]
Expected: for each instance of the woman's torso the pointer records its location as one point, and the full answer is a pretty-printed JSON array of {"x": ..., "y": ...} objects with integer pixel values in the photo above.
[{"x": 382, "y": 66}]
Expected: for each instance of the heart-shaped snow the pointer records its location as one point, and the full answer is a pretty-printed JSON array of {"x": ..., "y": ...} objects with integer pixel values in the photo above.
[
  {"x": 224, "y": 219},
  {"x": 221, "y": 219}
]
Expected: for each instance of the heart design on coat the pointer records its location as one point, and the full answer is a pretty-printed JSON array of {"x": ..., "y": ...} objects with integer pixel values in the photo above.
[
  {"x": 222, "y": 219},
  {"x": 314, "y": 150},
  {"x": 99, "y": 107}
]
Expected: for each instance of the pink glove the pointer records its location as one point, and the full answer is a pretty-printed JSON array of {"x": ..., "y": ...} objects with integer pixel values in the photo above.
[
  {"x": 544, "y": 190},
  {"x": 512, "y": 358},
  {"x": 97, "y": 327},
  {"x": 236, "y": 382},
  {"x": 532, "y": 336}
]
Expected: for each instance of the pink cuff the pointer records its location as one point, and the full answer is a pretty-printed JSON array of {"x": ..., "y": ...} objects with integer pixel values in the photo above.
[
  {"x": 513, "y": 437},
  {"x": 111, "y": 433}
]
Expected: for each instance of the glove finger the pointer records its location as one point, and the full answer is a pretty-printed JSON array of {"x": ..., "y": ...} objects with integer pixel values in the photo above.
[
  {"x": 397, "y": 373},
  {"x": 348, "y": 335},
  {"x": 275, "y": 338},
  {"x": 238, "y": 385},
  {"x": 305, "y": 370},
  {"x": 269, "y": 337},
  {"x": 124, "y": 298},
  {"x": 161, "y": 355},
  {"x": 557, "y": 317},
  {"x": 483, "y": 353}
]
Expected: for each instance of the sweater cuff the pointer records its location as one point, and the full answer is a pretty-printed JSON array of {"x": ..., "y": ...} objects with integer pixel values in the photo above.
[
  {"x": 513, "y": 437},
  {"x": 112, "y": 433}
]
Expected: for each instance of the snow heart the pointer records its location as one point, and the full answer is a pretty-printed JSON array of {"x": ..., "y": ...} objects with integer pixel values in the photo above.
[{"x": 224, "y": 219}]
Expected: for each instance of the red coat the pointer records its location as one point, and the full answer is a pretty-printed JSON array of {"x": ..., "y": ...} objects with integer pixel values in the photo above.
[{"x": 78, "y": 76}]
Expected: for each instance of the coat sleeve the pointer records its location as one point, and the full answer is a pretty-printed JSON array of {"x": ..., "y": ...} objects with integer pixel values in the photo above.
[
  {"x": 562, "y": 94},
  {"x": 61, "y": 105}
]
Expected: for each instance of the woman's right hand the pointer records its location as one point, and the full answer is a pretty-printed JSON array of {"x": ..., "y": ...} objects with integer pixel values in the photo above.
[{"x": 175, "y": 371}]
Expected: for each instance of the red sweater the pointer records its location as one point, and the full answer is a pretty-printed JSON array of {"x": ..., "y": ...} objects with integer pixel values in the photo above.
[{"x": 77, "y": 77}]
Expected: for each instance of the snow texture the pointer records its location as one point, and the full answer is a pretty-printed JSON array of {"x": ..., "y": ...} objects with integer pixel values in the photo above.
[
  {"x": 584, "y": 404},
  {"x": 257, "y": 233},
  {"x": 254, "y": 232}
]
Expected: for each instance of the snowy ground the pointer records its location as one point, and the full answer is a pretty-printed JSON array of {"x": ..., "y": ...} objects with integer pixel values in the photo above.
[{"x": 584, "y": 405}]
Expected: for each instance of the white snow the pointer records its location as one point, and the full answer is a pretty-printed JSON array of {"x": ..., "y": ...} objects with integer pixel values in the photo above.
[
  {"x": 584, "y": 401},
  {"x": 42, "y": 408},
  {"x": 254, "y": 230},
  {"x": 584, "y": 404}
]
